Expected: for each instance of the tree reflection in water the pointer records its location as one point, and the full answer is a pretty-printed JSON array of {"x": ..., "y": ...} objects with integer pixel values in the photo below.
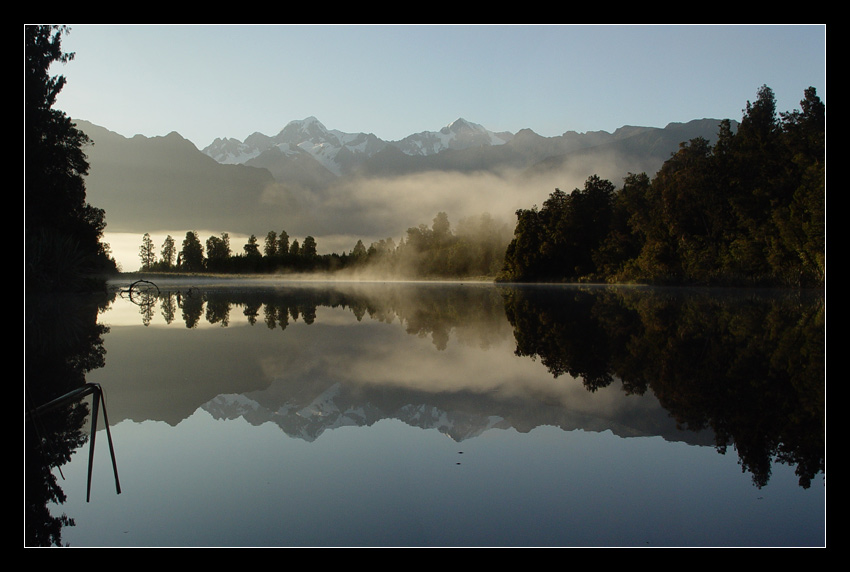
[
  {"x": 746, "y": 366},
  {"x": 63, "y": 342}
]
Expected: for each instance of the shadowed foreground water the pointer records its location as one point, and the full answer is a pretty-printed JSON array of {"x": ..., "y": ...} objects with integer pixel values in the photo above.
[{"x": 344, "y": 414}]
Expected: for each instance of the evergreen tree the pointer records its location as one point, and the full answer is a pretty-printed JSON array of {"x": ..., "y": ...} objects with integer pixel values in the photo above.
[
  {"x": 524, "y": 257},
  {"x": 270, "y": 246},
  {"x": 802, "y": 226},
  {"x": 748, "y": 211},
  {"x": 282, "y": 243},
  {"x": 685, "y": 238},
  {"x": 168, "y": 252},
  {"x": 62, "y": 230},
  {"x": 559, "y": 241},
  {"x": 308, "y": 248},
  {"x": 147, "y": 252},
  {"x": 756, "y": 170},
  {"x": 218, "y": 252},
  {"x": 625, "y": 238},
  {"x": 359, "y": 251},
  {"x": 441, "y": 229},
  {"x": 192, "y": 254},
  {"x": 252, "y": 248}
]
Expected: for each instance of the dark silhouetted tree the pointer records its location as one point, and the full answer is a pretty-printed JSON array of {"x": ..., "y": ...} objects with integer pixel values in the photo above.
[
  {"x": 168, "y": 252},
  {"x": 218, "y": 252},
  {"x": 748, "y": 211},
  {"x": 282, "y": 243},
  {"x": 308, "y": 248},
  {"x": 192, "y": 254},
  {"x": 252, "y": 247},
  {"x": 802, "y": 222},
  {"x": 147, "y": 252},
  {"x": 559, "y": 241},
  {"x": 62, "y": 230},
  {"x": 271, "y": 244}
]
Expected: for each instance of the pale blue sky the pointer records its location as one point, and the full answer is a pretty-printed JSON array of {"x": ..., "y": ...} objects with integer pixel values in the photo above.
[{"x": 233, "y": 80}]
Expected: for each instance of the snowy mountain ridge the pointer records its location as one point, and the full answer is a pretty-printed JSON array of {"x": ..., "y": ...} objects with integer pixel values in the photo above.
[
  {"x": 334, "y": 408},
  {"x": 336, "y": 150}
]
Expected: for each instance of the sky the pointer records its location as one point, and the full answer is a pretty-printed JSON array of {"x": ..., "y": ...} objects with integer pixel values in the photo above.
[{"x": 211, "y": 81}]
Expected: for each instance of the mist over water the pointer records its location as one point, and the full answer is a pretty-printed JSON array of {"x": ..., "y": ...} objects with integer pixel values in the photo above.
[
  {"x": 372, "y": 209},
  {"x": 174, "y": 188}
]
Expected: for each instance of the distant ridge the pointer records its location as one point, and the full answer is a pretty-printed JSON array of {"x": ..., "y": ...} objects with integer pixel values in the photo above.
[
  {"x": 340, "y": 152},
  {"x": 361, "y": 153},
  {"x": 308, "y": 179}
]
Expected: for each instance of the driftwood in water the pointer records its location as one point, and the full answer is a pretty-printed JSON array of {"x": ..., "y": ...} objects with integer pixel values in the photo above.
[{"x": 134, "y": 284}]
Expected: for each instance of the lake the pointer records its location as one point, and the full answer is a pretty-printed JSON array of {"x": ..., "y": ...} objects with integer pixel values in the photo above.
[{"x": 279, "y": 413}]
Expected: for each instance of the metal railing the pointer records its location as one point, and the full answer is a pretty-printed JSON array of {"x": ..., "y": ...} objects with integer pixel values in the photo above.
[{"x": 79, "y": 393}]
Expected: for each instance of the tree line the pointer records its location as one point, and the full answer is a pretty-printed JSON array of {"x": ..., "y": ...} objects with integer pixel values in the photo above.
[
  {"x": 475, "y": 248},
  {"x": 746, "y": 369},
  {"x": 276, "y": 252},
  {"x": 749, "y": 210}
]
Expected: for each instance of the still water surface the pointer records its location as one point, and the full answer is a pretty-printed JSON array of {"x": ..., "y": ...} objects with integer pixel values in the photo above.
[{"x": 374, "y": 414}]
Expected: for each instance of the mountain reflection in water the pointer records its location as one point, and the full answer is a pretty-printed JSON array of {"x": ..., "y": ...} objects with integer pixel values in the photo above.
[{"x": 740, "y": 371}]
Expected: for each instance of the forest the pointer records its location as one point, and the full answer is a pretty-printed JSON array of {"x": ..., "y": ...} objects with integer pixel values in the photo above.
[
  {"x": 747, "y": 211},
  {"x": 474, "y": 249}
]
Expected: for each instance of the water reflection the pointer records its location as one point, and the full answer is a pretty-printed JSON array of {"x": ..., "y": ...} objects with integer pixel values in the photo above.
[
  {"x": 747, "y": 366},
  {"x": 63, "y": 343},
  {"x": 742, "y": 371}
]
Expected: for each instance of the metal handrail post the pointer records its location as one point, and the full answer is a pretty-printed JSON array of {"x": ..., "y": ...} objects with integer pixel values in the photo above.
[{"x": 79, "y": 393}]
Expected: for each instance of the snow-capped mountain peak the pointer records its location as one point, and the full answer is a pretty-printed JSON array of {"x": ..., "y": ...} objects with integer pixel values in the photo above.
[
  {"x": 338, "y": 151},
  {"x": 461, "y": 126},
  {"x": 301, "y": 131}
]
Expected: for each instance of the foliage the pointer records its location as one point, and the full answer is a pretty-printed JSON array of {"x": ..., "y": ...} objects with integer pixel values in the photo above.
[
  {"x": 748, "y": 211},
  {"x": 308, "y": 249},
  {"x": 559, "y": 241},
  {"x": 59, "y": 354},
  {"x": 475, "y": 249},
  {"x": 54, "y": 169},
  {"x": 252, "y": 248},
  {"x": 270, "y": 246},
  {"x": 191, "y": 257},
  {"x": 282, "y": 242},
  {"x": 147, "y": 252},
  {"x": 748, "y": 367},
  {"x": 218, "y": 251},
  {"x": 168, "y": 252}
]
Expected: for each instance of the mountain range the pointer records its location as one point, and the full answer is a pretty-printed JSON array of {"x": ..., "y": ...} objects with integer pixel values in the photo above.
[
  {"x": 342, "y": 153},
  {"x": 460, "y": 146},
  {"x": 308, "y": 179}
]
